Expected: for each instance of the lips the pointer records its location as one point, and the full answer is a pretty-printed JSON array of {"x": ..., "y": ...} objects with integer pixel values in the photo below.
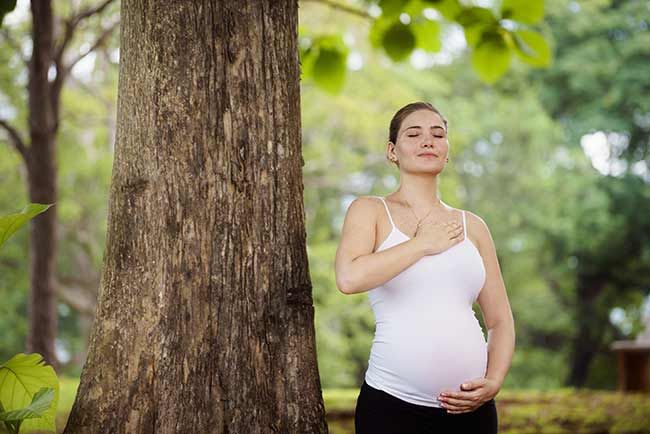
[{"x": 427, "y": 155}]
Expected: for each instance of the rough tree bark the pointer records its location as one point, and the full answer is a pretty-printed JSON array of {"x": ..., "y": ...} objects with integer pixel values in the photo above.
[{"x": 205, "y": 320}]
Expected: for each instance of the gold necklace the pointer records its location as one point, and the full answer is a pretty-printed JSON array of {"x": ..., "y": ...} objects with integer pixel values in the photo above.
[{"x": 420, "y": 220}]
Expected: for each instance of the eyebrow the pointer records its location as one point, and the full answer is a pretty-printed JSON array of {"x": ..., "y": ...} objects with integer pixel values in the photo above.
[{"x": 417, "y": 126}]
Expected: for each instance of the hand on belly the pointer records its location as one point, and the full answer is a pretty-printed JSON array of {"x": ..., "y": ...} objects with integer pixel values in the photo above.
[{"x": 474, "y": 394}]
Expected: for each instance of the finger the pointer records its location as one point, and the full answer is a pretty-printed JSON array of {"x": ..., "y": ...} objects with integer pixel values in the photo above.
[
  {"x": 458, "y": 408},
  {"x": 456, "y": 396},
  {"x": 461, "y": 394},
  {"x": 462, "y": 402},
  {"x": 464, "y": 410},
  {"x": 461, "y": 408},
  {"x": 459, "y": 412},
  {"x": 457, "y": 235}
]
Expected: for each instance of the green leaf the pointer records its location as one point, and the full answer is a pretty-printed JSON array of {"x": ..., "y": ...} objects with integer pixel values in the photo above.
[
  {"x": 21, "y": 378},
  {"x": 476, "y": 21},
  {"x": 447, "y": 8},
  {"x": 473, "y": 35},
  {"x": 9, "y": 224},
  {"x": 427, "y": 34},
  {"x": 491, "y": 57},
  {"x": 532, "y": 48},
  {"x": 39, "y": 405},
  {"x": 391, "y": 8},
  {"x": 524, "y": 11},
  {"x": 476, "y": 16},
  {"x": 398, "y": 41},
  {"x": 327, "y": 66},
  {"x": 377, "y": 30},
  {"x": 306, "y": 61},
  {"x": 414, "y": 8},
  {"x": 325, "y": 60},
  {"x": 329, "y": 70}
]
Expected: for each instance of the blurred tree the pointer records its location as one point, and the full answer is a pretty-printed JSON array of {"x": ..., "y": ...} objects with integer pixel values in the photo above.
[
  {"x": 597, "y": 247},
  {"x": 48, "y": 65},
  {"x": 600, "y": 79}
]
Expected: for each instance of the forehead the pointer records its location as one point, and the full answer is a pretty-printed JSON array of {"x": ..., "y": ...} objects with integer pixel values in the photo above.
[{"x": 424, "y": 118}]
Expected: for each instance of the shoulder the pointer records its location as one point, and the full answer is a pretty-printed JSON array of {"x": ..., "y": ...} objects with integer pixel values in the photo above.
[
  {"x": 475, "y": 220},
  {"x": 364, "y": 206},
  {"x": 478, "y": 227},
  {"x": 365, "y": 202}
]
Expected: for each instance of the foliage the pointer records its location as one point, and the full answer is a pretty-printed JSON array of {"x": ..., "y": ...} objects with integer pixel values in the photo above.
[
  {"x": 28, "y": 388},
  {"x": 600, "y": 78},
  {"x": 406, "y": 25},
  {"x": 29, "y": 393},
  {"x": 9, "y": 224}
]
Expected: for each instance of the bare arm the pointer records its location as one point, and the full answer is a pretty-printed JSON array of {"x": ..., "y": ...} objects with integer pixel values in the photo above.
[
  {"x": 357, "y": 268},
  {"x": 495, "y": 307}
]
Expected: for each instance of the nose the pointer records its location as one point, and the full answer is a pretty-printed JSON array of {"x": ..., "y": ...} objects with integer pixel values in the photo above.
[{"x": 428, "y": 138}]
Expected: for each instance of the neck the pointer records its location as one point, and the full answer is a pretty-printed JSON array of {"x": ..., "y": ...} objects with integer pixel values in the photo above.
[{"x": 420, "y": 190}]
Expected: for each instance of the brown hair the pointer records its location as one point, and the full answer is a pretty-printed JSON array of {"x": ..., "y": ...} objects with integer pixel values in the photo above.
[{"x": 402, "y": 113}]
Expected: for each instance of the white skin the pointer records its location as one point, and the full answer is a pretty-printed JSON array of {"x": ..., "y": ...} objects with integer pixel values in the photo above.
[
  {"x": 421, "y": 131},
  {"x": 424, "y": 131}
]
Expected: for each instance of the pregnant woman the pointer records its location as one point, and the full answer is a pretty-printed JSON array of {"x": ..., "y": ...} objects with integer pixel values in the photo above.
[{"x": 423, "y": 265}]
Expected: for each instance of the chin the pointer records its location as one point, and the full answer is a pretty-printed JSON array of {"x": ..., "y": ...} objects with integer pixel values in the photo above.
[{"x": 431, "y": 170}]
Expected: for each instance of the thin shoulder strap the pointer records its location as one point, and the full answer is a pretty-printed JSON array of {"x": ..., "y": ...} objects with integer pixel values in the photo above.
[
  {"x": 464, "y": 225},
  {"x": 387, "y": 210}
]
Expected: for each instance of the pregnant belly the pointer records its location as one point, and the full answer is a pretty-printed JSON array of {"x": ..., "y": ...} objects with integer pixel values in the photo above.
[{"x": 422, "y": 362}]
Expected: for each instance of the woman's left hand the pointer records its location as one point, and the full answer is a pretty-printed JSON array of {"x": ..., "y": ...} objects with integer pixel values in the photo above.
[{"x": 473, "y": 394}]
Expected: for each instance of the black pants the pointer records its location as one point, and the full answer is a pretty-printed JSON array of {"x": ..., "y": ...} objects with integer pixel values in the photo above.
[{"x": 378, "y": 412}]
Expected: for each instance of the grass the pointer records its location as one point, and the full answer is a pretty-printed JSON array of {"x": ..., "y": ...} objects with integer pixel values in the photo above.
[{"x": 559, "y": 411}]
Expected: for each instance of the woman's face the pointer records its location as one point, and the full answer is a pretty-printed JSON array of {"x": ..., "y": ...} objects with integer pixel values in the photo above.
[{"x": 421, "y": 142}]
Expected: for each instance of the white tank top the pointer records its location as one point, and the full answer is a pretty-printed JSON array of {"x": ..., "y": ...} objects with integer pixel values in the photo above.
[{"x": 427, "y": 338}]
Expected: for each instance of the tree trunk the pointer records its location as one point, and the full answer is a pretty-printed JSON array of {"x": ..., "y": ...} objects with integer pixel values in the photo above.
[
  {"x": 205, "y": 320},
  {"x": 589, "y": 330},
  {"x": 41, "y": 171}
]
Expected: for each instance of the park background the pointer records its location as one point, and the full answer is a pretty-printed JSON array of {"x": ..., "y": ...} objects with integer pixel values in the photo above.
[{"x": 555, "y": 160}]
